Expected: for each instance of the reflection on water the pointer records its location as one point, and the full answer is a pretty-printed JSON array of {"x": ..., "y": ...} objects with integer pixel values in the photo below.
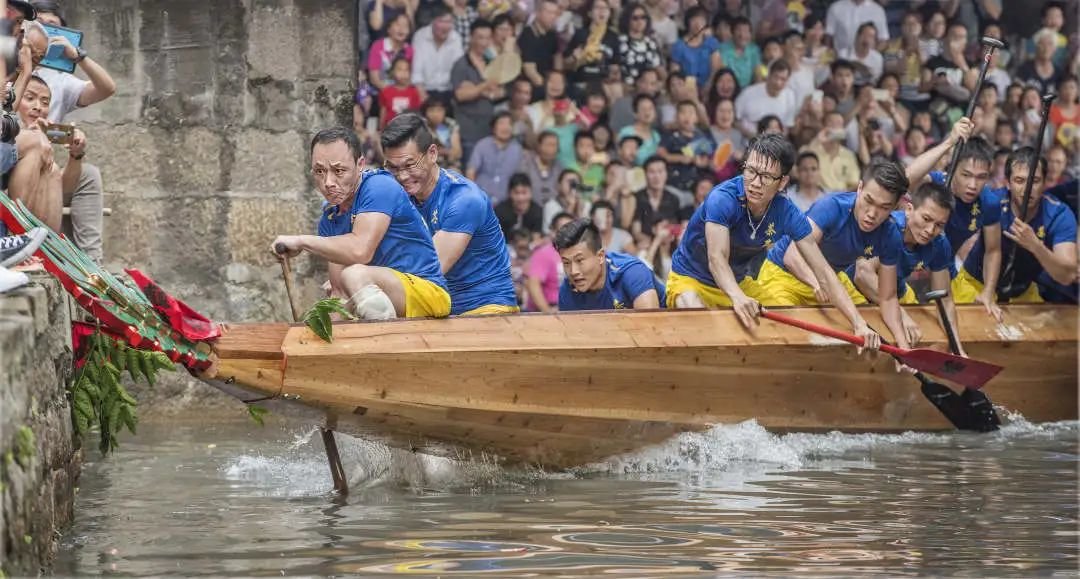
[{"x": 236, "y": 499}]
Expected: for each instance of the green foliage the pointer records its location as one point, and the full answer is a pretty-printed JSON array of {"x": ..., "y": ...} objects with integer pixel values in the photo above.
[
  {"x": 257, "y": 414},
  {"x": 24, "y": 446},
  {"x": 318, "y": 317},
  {"x": 98, "y": 399}
]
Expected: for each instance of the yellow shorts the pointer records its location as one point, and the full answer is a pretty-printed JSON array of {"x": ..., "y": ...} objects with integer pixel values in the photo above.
[
  {"x": 423, "y": 299},
  {"x": 712, "y": 297},
  {"x": 492, "y": 310},
  {"x": 780, "y": 288},
  {"x": 965, "y": 288},
  {"x": 909, "y": 298}
]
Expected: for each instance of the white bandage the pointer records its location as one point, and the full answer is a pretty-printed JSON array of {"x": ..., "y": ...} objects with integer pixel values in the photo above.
[{"x": 371, "y": 303}]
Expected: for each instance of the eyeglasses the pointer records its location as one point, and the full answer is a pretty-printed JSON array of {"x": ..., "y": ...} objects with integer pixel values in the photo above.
[
  {"x": 412, "y": 168},
  {"x": 750, "y": 174}
]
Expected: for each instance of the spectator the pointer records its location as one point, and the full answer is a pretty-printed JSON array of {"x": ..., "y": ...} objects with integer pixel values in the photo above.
[
  {"x": 1005, "y": 135},
  {"x": 808, "y": 188},
  {"x": 655, "y": 203},
  {"x": 865, "y": 54},
  {"x": 386, "y": 12},
  {"x": 702, "y": 187},
  {"x": 474, "y": 97},
  {"x": 518, "y": 107},
  {"x": 568, "y": 198},
  {"x": 389, "y": 48},
  {"x": 680, "y": 88},
  {"x": 587, "y": 163},
  {"x": 539, "y": 45},
  {"x": 971, "y": 12},
  {"x": 730, "y": 142},
  {"x": 555, "y": 109},
  {"x": 915, "y": 144},
  {"x": 989, "y": 113},
  {"x": 933, "y": 40},
  {"x": 595, "y": 110},
  {"x": 656, "y": 250},
  {"x": 844, "y": 18},
  {"x": 696, "y": 53},
  {"x": 603, "y": 138},
  {"x": 819, "y": 54},
  {"x": 520, "y": 251},
  {"x": 771, "y": 97},
  {"x": 842, "y": 87},
  {"x": 770, "y": 124},
  {"x": 996, "y": 73},
  {"x": 629, "y": 145},
  {"x": 949, "y": 78},
  {"x": 365, "y": 94},
  {"x": 1057, "y": 161},
  {"x": 870, "y": 111},
  {"x": 638, "y": 51},
  {"x": 903, "y": 57},
  {"x": 502, "y": 36},
  {"x": 612, "y": 238},
  {"x": 590, "y": 54},
  {"x": 622, "y": 110},
  {"x": 686, "y": 149},
  {"x": 464, "y": 15},
  {"x": 519, "y": 211},
  {"x": 369, "y": 146},
  {"x": 837, "y": 164},
  {"x": 445, "y": 130},
  {"x": 997, "y": 179},
  {"x": 495, "y": 158},
  {"x": 771, "y": 18},
  {"x": 644, "y": 119},
  {"x": 742, "y": 56},
  {"x": 401, "y": 96},
  {"x": 1053, "y": 19},
  {"x": 772, "y": 50},
  {"x": 801, "y": 80},
  {"x": 543, "y": 168},
  {"x": 664, "y": 29},
  {"x": 723, "y": 86},
  {"x": 82, "y": 192},
  {"x": 1065, "y": 114},
  {"x": 1040, "y": 71},
  {"x": 543, "y": 273},
  {"x": 436, "y": 48}
]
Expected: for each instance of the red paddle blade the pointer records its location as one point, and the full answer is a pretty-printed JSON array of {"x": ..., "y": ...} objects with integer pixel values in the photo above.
[{"x": 964, "y": 371}]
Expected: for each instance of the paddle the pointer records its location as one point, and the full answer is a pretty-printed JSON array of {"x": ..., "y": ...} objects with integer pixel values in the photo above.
[
  {"x": 972, "y": 410},
  {"x": 989, "y": 45},
  {"x": 970, "y": 373},
  {"x": 286, "y": 272}
]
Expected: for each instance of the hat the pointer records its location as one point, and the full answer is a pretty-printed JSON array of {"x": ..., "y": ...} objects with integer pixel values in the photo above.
[
  {"x": 632, "y": 137},
  {"x": 25, "y": 7}
]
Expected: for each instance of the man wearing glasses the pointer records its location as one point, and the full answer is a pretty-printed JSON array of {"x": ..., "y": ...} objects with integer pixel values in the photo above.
[
  {"x": 728, "y": 235},
  {"x": 468, "y": 239},
  {"x": 381, "y": 255},
  {"x": 847, "y": 226}
]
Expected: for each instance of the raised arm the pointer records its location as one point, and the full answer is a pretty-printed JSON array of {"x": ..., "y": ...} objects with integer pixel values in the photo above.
[{"x": 921, "y": 166}]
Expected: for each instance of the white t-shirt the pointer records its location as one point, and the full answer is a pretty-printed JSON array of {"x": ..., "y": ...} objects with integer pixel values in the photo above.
[
  {"x": 755, "y": 103},
  {"x": 845, "y": 17},
  {"x": 873, "y": 61},
  {"x": 802, "y": 84},
  {"x": 66, "y": 89}
]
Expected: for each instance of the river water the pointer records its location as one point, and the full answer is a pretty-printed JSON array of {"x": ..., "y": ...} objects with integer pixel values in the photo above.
[{"x": 234, "y": 498}]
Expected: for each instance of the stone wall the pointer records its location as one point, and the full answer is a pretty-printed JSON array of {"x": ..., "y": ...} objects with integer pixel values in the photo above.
[
  {"x": 40, "y": 464},
  {"x": 203, "y": 149}
]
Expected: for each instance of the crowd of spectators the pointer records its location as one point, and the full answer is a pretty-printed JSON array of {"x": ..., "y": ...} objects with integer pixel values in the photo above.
[{"x": 630, "y": 112}]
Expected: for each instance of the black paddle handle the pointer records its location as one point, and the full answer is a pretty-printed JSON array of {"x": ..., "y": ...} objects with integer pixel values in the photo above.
[
  {"x": 950, "y": 331},
  {"x": 990, "y": 44}
]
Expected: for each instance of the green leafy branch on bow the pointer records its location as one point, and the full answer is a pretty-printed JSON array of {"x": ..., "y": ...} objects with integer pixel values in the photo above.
[
  {"x": 98, "y": 399},
  {"x": 318, "y": 317}
]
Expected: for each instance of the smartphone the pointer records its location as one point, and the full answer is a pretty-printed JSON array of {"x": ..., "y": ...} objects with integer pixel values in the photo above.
[
  {"x": 54, "y": 56},
  {"x": 60, "y": 134},
  {"x": 881, "y": 94}
]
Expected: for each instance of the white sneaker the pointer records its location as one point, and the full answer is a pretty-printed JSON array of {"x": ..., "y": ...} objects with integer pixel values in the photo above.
[{"x": 10, "y": 280}]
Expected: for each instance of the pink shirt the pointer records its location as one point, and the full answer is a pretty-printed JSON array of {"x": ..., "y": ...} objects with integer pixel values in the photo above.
[
  {"x": 381, "y": 58},
  {"x": 546, "y": 266}
]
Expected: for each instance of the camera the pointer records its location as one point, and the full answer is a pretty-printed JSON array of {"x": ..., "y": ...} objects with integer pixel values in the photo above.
[
  {"x": 581, "y": 187},
  {"x": 873, "y": 125}
]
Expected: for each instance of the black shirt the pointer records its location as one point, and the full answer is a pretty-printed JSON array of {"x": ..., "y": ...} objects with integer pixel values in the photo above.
[
  {"x": 644, "y": 213},
  {"x": 540, "y": 50},
  {"x": 595, "y": 71},
  {"x": 532, "y": 221},
  {"x": 1030, "y": 76},
  {"x": 940, "y": 62}
]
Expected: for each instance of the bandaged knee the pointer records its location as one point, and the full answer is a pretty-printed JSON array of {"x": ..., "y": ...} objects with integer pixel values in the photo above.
[{"x": 371, "y": 303}]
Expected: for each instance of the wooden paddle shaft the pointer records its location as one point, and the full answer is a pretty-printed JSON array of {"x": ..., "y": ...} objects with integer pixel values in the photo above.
[
  {"x": 286, "y": 272},
  {"x": 852, "y": 339}
]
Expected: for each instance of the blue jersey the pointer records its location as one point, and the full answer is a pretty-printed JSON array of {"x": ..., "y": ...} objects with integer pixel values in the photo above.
[
  {"x": 842, "y": 242},
  {"x": 481, "y": 275},
  {"x": 406, "y": 246},
  {"x": 967, "y": 219},
  {"x": 627, "y": 278},
  {"x": 1053, "y": 223},
  {"x": 726, "y": 205},
  {"x": 934, "y": 256}
]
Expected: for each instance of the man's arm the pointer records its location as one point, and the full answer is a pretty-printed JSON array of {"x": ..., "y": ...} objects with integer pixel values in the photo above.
[
  {"x": 450, "y": 247},
  {"x": 357, "y": 247},
  {"x": 1059, "y": 262},
  {"x": 889, "y": 304},
  {"x": 100, "y": 86},
  {"x": 647, "y": 300},
  {"x": 991, "y": 269},
  {"x": 718, "y": 245},
  {"x": 921, "y": 166}
]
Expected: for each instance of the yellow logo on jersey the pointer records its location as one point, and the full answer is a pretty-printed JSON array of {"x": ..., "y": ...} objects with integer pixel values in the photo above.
[
  {"x": 974, "y": 224},
  {"x": 1041, "y": 233},
  {"x": 618, "y": 305},
  {"x": 868, "y": 251},
  {"x": 920, "y": 266},
  {"x": 770, "y": 230},
  {"x": 975, "y": 209},
  {"x": 434, "y": 217}
]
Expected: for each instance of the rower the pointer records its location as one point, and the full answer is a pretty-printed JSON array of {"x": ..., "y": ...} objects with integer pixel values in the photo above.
[
  {"x": 469, "y": 241},
  {"x": 925, "y": 248},
  {"x": 1047, "y": 241},
  {"x": 976, "y": 211},
  {"x": 731, "y": 231},
  {"x": 600, "y": 280},
  {"x": 379, "y": 250},
  {"x": 847, "y": 226}
]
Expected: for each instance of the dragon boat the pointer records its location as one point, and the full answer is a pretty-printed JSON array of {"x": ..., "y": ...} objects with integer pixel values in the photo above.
[{"x": 566, "y": 389}]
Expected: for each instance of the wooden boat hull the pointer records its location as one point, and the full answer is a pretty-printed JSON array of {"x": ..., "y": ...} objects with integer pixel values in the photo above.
[{"x": 567, "y": 389}]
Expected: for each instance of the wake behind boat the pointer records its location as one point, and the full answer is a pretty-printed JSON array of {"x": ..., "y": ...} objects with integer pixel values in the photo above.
[{"x": 563, "y": 390}]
